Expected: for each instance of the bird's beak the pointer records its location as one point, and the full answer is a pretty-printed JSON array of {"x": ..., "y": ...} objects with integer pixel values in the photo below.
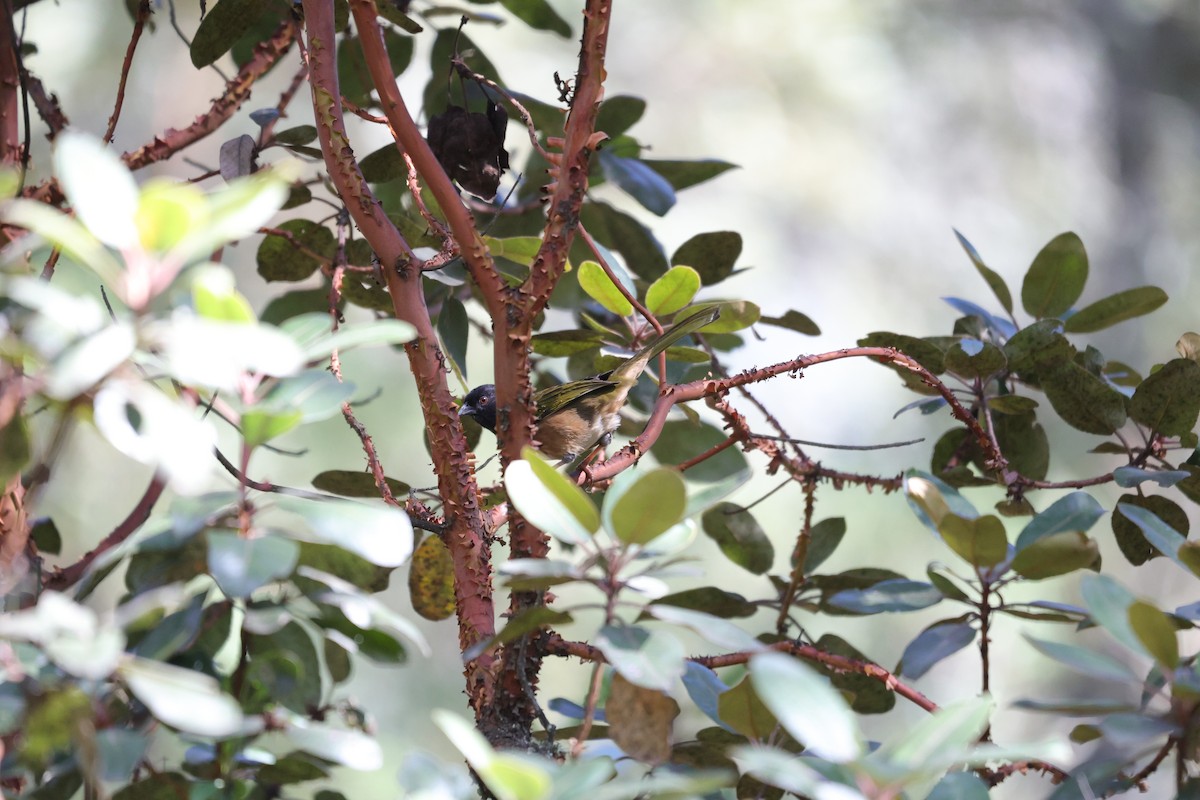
[{"x": 466, "y": 410}]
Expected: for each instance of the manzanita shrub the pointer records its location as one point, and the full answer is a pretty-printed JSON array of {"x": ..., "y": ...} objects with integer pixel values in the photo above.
[{"x": 201, "y": 648}]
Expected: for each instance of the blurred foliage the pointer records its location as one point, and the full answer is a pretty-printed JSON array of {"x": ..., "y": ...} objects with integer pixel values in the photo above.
[{"x": 240, "y": 615}]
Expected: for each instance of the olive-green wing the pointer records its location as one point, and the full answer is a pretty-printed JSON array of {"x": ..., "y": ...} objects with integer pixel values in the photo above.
[
  {"x": 555, "y": 398},
  {"x": 629, "y": 370}
]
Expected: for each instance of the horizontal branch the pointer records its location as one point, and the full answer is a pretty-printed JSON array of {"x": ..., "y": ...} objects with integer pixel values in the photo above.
[
  {"x": 558, "y": 646},
  {"x": 714, "y": 387}
]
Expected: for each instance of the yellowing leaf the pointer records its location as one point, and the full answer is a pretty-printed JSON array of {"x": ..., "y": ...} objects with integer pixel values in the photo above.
[{"x": 431, "y": 579}]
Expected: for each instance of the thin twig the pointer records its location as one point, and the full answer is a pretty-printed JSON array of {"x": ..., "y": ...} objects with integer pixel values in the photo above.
[
  {"x": 828, "y": 446},
  {"x": 457, "y": 63},
  {"x": 799, "y": 556},
  {"x": 557, "y": 645},
  {"x": 139, "y": 22},
  {"x": 68, "y": 576}
]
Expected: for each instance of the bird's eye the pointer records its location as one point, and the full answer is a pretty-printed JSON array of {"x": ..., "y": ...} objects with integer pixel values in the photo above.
[{"x": 483, "y": 401}]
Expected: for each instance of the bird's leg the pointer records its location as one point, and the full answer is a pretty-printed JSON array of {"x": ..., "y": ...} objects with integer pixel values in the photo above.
[{"x": 578, "y": 463}]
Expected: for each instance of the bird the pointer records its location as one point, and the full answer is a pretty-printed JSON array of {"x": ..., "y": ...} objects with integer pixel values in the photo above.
[{"x": 575, "y": 416}]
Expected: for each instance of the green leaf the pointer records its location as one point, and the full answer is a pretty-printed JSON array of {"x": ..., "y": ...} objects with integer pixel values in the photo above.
[
  {"x": 1147, "y": 514},
  {"x": 223, "y": 25},
  {"x": 887, "y": 596},
  {"x": 260, "y": 427},
  {"x": 1056, "y": 278},
  {"x": 672, "y": 291},
  {"x": 312, "y": 332},
  {"x": 1128, "y": 477},
  {"x": 1077, "y": 511},
  {"x": 314, "y": 395},
  {"x": 559, "y": 344},
  {"x": 379, "y": 533},
  {"x": 453, "y": 328},
  {"x": 1038, "y": 346},
  {"x": 935, "y": 643},
  {"x": 1168, "y": 401},
  {"x": 682, "y": 174},
  {"x": 383, "y": 165},
  {"x": 824, "y": 538},
  {"x": 595, "y": 281},
  {"x": 1056, "y": 554},
  {"x": 349, "y": 748},
  {"x": 711, "y": 600},
  {"x": 190, "y": 701},
  {"x": 794, "y": 321},
  {"x": 215, "y": 296},
  {"x": 984, "y": 359},
  {"x": 101, "y": 190},
  {"x": 865, "y": 694},
  {"x": 634, "y": 241},
  {"x": 281, "y": 258},
  {"x": 1024, "y": 443},
  {"x": 353, "y": 483},
  {"x": 538, "y": 13},
  {"x": 1156, "y": 632},
  {"x": 811, "y": 710},
  {"x": 712, "y": 255},
  {"x": 1108, "y": 602},
  {"x": 683, "y": 439},
  {"x": 88, "y": 360},
  {"x": 369, "y": 615},
  {"x": 168, "y": 213},
  {"x": 299, "y": 135},
  {"x": 353, "y": 76},
  {"x": 197, "y": 351},
  {"x": 722, "y": 633},
  {"x": 652, "y": 660},
  {"x": 643, "y": 184},
  {"x": 925, "y": 353},
  {"x": 932, "y": 499},
  {"x": 739, "y": 536},
  {"x": 982, "y": 541},
  {"x": 619, "y": 113},
  {"x": 1084, "y": 401},
  {"x": 1012, "y": 404},
  {"x": 994, "y": 281},
  {"x": 648, "y": 507},
  {"x": 735, "y": 316},
  {"x": 294, "y": 303},
  {"x": 169, "y": 434},
  {"x": 1115, "y": 308},
  {"x": 549, "y": 500},
  {"x": 741, "y": 709},
  {"x": 1092, "y": 663},
  {"x": 240, "y": 565},
  {"x": 960, "y": 786},
  {"x": 519, "y": 249},
  {"x": 944, "y": 737}
]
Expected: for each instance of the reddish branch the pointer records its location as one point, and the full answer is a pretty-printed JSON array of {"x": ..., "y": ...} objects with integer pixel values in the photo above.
[
  {"x": 47, "y": 106},
  {"x": 682, "y": 393},
  {"x": 68, "y": 576},
  {"x": 139, "y": 22},
  {"x": 410, "y": 141},
  {"x": 10, "y": 89},
  {"x": 465, "y": 534},
  {"x": 237, "y": 91},
  {"x": 556, "y": 645}
]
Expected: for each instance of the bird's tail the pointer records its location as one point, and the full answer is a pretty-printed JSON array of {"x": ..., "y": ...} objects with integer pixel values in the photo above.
[{"x": 633, "y": 367}]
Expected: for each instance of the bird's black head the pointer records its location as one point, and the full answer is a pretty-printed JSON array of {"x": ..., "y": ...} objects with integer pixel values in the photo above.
[{"x": 480, "y": 403}]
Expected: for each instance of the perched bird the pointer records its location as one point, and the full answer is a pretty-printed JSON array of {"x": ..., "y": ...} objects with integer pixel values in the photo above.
[{"x": 574, "y": 416}]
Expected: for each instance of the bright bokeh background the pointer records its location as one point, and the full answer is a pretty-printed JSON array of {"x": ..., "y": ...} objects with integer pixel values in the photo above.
[{"x": 864, "y": 133}]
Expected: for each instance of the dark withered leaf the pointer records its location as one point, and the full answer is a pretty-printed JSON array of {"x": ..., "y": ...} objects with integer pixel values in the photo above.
[{"x": 470, "y": 147}]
